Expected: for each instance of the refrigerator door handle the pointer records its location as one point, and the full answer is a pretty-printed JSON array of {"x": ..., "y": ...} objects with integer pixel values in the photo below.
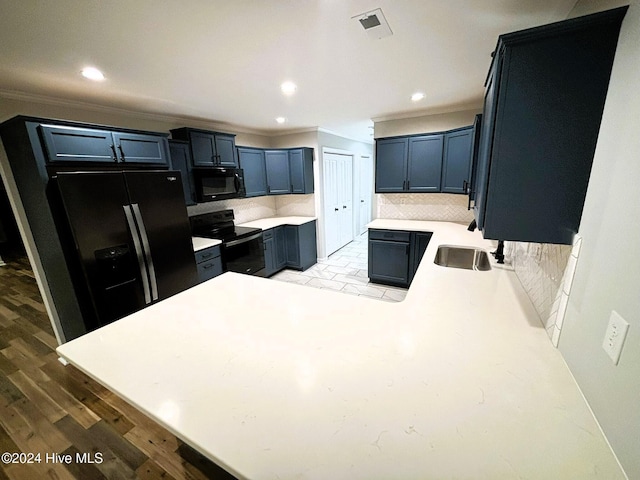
[
  {"x": 138, "y": 248},
  {"x": 147, "y": 250}
]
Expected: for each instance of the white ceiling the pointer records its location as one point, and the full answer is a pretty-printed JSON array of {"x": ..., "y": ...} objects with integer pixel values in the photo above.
[{"x": 224, "y": 60}]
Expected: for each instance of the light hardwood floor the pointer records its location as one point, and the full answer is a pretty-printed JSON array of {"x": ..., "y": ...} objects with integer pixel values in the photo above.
[{"x": 47, "y": 408}]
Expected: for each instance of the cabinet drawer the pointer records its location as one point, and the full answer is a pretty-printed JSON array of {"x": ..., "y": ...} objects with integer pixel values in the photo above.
[
  {"x": 207, "y": 254},
  {"x": 209, "y": 269},
  {"x": 390, "y": 235}
]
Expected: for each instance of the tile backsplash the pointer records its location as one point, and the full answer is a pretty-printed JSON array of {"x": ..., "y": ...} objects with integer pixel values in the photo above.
[
  {"x": 249, "y": 209},
  {"x": 244, "y": 209},
  {"x": 424, "y": 206},
  {"x": 546, "y": 272}
]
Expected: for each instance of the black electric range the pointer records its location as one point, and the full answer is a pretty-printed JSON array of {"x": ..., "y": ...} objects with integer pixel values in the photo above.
[{"x": 242, "y": 247}]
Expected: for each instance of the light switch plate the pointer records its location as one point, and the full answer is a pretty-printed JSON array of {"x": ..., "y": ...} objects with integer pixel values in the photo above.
[{"x": 614, "y": 336}]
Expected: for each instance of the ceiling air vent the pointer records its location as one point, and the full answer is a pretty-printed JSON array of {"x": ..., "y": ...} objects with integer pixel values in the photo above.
[{"x": 374, "y": 24}]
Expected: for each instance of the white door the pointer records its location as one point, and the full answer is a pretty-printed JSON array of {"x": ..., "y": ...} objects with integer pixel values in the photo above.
[
  {"x": 331, "y": 210},
  {"x": 338, "y": 200},
  {"x": 365, "y": 192}
]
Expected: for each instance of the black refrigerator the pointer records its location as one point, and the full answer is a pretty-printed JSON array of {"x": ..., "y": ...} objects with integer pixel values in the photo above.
[{"x": 128, "y": 240}]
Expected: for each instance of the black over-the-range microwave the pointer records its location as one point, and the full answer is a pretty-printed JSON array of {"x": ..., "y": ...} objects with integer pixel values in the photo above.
[{"x": 218, "y": 183}]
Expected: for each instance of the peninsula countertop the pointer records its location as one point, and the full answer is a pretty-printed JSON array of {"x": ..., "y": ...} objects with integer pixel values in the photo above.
[{"x": 275, "y": 380}]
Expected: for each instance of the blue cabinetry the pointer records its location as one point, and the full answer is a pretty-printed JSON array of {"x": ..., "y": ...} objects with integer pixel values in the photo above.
[
  {"x": 394, "y": 255},
  {"x": 278, "y": 177},
  {"x": 253, "y": 165},
  {"x": 456, "y": 164},
  {"x": 209, "y": 149},
  {"x": 291, "y": 246},
  {"x": 543, "y": 105},
  {"x": 209, "y": 263},
  {"x": 72, "y": 144},
  {"x": 181, "y": 161},
  {"x": 391, "y": 165},
  {"x": 422, "y": 163},
  {"x": 274, "y": 250},
  {"x": 277, "y": 172}
]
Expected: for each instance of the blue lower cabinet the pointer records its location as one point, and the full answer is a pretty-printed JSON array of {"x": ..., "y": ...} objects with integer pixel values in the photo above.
[
  {"x": 394, "y": 255},
  {"x": 301, "y": 246},
  {"x": 290, "y": 246},
  {"x": 419, "y": 243},
  {"x": 209, "y": 263}
]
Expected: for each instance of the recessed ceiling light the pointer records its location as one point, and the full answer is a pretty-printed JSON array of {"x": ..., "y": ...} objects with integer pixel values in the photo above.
[
  {"x": 288, "y": 88},
  {"x": 416, "y": 97},
  {"x": 281, "y": 119},
  {"x": 92, "y": 73}
]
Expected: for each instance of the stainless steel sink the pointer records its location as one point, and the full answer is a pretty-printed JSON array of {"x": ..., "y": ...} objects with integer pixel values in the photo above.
[{"x": 468, "y": 258}]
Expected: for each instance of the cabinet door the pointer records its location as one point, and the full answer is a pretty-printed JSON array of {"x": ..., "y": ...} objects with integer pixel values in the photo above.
[
  {"x": 292, "y": 249},
  {"x": 269, "y": 254},
  {"x": 141, "y": 148},
  {"x": 226, "y": 155},
  {"x": 301, "y": 170},
  {"x": 203, "y": 149},
  {"x": 419, "y": 243},
  {"x": 73, "y": 144},
  {"x": 181, "y": 160},
  {"x": 277, "y": 164},
  {"x": 391, "y": 165},
  {"x": 425, "y": 163},
  {"x": 456, "y": 167},
  {"x": 255, "y": 172},
  {"x": 389, "y": 262},
  {"x": 280, "y": 248}
]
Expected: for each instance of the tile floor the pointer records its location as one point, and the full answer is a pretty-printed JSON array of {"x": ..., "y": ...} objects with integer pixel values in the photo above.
[{"x": 344, "y": 271}]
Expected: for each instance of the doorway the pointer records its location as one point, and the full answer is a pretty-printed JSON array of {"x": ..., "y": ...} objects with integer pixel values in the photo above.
[{"x": 338, "y": 199}]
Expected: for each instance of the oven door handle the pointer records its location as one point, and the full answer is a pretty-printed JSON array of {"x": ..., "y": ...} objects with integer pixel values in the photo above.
[{"x": 233, "y": 243}]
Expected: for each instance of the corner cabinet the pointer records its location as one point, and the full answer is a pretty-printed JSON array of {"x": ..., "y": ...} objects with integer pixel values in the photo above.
[
  {"x": 544, "y": 98},
  {"x": 209, "y": 149},
  {"x": 84, "y": 145},
  {"x": 254, "y": 169},
  {"x": 277, "y": 172},
  {"x": 291, "y": 246},
  {"x": 432, "y": 163},
  {"x": 394, "y": 255}
]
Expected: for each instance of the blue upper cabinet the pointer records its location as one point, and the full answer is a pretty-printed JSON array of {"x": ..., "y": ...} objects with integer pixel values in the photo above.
[
  {"x": 301, "y": 170},
  {"x": 456, "y": 166},
  {"x": 181, "y": 160},
  {"x": 544, "y": 99},
  {"x": 278, "y": 176},
  {"x": 391, "y": 165},
  {"x": 425, "y": 164},
  {"x": 409, "y": 164},
  {"x": 277, "y": 172},
  {"x": 91, "y": 145},
  {"x": 209, "y": 149},
  {"x": 253, "y": 165}
]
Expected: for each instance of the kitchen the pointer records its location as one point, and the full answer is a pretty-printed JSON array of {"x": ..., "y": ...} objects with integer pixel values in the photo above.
[{"x": 588, "y": 311}]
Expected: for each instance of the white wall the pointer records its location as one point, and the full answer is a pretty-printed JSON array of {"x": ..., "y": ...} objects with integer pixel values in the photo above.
[
  {"x": 607, "y": 275},
  {"x": 437, "y": 122}
]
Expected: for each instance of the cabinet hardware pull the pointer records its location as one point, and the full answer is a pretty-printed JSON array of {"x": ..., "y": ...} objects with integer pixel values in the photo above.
[
  {"x": 122, "y": 153},
  {"x": 344, "y": 206},
  {"x": 404, "y": 184},
  {"x": 336, "y": 209},
  {"x": 408, "y": 182},
  {"x": 206, "y": 255},
  {"x": 206, "y": 267},
  {"x": 115, "y": 154}
]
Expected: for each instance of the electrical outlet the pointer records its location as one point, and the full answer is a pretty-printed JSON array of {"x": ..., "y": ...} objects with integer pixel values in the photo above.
[{"x": 615, "y": 335}]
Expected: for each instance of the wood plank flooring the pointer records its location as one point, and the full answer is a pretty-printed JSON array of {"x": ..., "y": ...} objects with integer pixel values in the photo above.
[{"x": 48, "y": 408}]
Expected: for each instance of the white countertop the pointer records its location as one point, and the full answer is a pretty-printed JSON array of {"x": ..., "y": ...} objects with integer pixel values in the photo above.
[
  {"x": 200, "y": 243},
  {"x": 285, "y": 381},
  {"x": 272, "y": 222}
]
